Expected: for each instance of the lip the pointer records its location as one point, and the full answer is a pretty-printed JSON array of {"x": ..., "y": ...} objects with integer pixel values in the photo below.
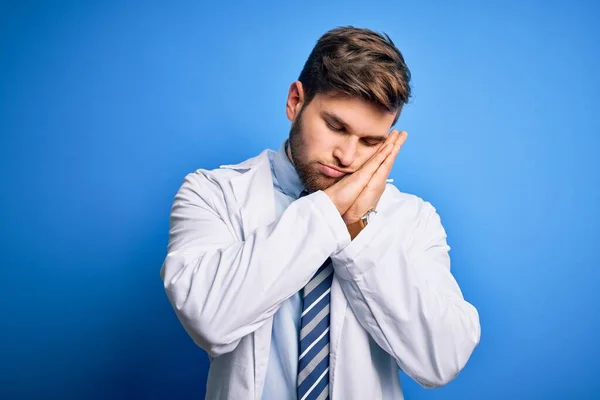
[{"x": 331, "y": 171}]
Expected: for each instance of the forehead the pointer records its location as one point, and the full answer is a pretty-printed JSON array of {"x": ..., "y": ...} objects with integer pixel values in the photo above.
[{"x": 360, "y": 115}]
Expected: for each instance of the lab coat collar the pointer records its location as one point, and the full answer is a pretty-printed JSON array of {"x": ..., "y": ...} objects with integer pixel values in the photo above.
[{"x": 249, "y": 163}]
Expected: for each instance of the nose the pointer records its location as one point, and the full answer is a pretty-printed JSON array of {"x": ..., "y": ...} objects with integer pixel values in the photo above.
[{"x": 345, "y": 151}]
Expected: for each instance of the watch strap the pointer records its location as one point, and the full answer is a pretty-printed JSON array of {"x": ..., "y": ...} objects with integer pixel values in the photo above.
[{"x": 355, "y": 227}]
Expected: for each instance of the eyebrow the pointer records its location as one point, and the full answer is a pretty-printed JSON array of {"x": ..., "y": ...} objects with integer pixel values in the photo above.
[{"x": 338, "y": 121}]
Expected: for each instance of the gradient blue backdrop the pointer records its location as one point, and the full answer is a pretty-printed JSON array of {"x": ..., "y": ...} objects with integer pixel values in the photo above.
[{"x": 104, "y": 108}]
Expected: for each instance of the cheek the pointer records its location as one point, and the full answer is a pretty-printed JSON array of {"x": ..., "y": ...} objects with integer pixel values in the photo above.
[
  {"x": 365, "y": 155},
  {"x": 314, "y": 130},
  {"x": 318, "y": 141}
]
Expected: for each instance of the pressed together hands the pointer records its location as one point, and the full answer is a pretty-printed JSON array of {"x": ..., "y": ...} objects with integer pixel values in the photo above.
[{"x": 357, "y": 193}]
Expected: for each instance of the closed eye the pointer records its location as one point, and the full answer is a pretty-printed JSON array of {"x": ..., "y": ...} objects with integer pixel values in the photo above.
[
  {"x": 334, "y": 128},
  {"x": 371, "y": 143}
]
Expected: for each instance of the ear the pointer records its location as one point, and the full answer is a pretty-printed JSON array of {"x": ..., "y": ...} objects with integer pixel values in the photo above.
[{"x": 295, "y": 100}]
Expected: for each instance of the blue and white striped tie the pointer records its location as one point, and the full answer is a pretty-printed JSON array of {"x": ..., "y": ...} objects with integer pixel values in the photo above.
[{"x": 313, "y": 364}]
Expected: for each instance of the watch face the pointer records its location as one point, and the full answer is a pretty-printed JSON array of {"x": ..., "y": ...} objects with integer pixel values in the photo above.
[{"x": 368, "y": 216}]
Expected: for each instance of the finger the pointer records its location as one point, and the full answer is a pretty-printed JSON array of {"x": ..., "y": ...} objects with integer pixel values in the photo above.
[
  {"x": 369, "y": 168},
  {"x": 397, "y": 141},
  {"x": 391, "y": 138},
  {"x": 375, "y": 159},
  {"x": 359, "y": 179},
  {"x": 386, "y": 166},
  {"x": 389, "y": 161},
  {"x": 362, "y": 176}
]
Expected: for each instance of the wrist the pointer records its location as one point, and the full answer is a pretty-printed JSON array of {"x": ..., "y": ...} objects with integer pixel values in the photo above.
[
  {"x": 356, "y": 225},
  {"x": 351, "y": 219},
  {"x": 341, "y": 208},
  {"x": 355, "y": 228}
]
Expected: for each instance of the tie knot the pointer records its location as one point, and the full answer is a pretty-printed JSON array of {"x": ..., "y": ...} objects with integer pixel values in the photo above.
[{"x": 303, "y": 193}]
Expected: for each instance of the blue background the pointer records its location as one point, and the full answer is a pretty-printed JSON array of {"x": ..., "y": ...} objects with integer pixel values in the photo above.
[{"x": 104, "y": 107}]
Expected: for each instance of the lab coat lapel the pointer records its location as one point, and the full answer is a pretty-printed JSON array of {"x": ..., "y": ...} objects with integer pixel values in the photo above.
[
  {"x": 255, "y": 197},
  {"x": 253, "y": 190},
  {"x": 337, "y": 313}
]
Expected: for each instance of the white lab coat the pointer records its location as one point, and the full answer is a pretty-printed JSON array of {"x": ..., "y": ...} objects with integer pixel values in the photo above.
[{"x": 394, "y": 302}]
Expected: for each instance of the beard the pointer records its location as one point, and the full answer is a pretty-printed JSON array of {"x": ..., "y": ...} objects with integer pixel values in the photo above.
[{"x": 308, "y": 170}]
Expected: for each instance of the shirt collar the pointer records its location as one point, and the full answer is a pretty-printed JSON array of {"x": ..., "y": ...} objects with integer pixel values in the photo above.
[{"x": 286, "y": 174}]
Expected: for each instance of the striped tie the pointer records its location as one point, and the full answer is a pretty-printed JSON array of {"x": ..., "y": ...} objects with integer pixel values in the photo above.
[{"x": 313, "y": 365}]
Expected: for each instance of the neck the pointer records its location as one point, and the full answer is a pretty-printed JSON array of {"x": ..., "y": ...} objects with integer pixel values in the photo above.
[{"x": 288, "y": 152}]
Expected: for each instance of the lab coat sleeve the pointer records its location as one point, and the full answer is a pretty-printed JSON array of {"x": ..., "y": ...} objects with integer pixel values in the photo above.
[
  {"x": 404, "y": 295},
  {"x": 222, "y": 288}
]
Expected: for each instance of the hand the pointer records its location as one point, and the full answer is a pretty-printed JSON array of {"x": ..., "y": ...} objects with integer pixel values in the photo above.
[
  {"x": 370, "y": 195},
  {"x": 345, "y": 192}
]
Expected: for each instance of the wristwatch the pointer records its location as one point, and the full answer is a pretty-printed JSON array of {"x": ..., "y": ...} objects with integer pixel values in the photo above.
[{"x": 355, "y": 227}]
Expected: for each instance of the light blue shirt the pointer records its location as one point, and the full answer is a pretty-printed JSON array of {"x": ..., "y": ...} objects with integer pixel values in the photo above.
[{"x": 282, "y": 368}]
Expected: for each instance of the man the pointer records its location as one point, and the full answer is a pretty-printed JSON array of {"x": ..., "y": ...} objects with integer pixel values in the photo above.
[{"x": 302, "y": 273}]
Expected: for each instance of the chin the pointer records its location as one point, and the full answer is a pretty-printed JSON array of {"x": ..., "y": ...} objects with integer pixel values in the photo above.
[{"x": 318, "y": 181}]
